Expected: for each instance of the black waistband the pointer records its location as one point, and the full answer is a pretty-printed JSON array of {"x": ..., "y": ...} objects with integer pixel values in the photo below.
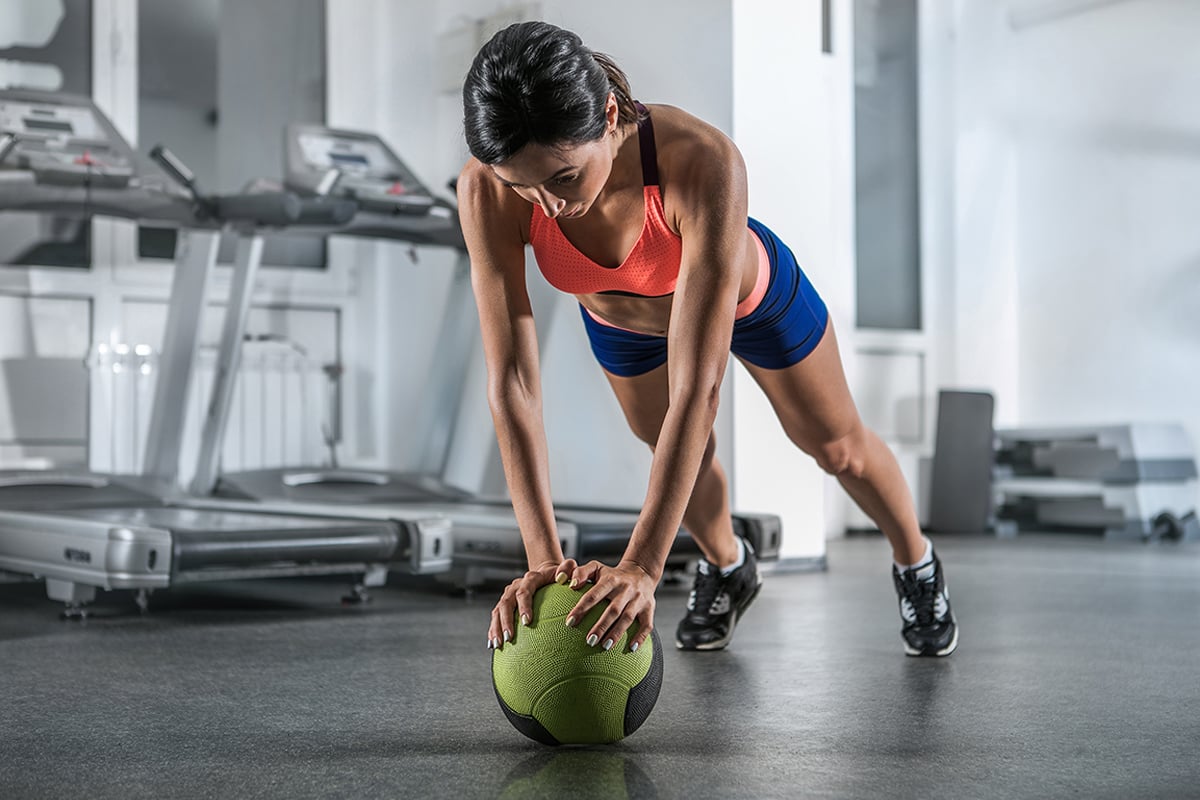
[{"x": 646, "y": 141}]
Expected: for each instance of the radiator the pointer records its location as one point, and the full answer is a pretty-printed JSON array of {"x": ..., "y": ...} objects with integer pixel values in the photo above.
[{"x": 284, "y": 409}]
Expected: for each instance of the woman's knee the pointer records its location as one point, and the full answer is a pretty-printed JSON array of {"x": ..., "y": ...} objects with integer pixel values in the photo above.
[
  {"x": 710, "y": 452},
  {"x": 842, "y": 456},
  {"x": 647, "y": 433}
]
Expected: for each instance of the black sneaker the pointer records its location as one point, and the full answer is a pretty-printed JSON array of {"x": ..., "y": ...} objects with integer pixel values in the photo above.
[
  {"x": 717, "y": 603},
  {"x": 929, "y": 626}
]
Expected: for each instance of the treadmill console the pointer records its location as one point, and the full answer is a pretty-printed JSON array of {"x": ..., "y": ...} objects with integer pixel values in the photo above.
[
  {"x": 60, "y": 154},
  {"x": 62, "y": 139},
  {"x": 355, "y": 165}
]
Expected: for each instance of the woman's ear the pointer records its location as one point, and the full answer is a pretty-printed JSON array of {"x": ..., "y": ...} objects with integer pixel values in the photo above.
[{"x": 612, "y": 113}]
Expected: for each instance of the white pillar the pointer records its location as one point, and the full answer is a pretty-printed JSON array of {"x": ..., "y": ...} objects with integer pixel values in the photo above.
[{"x": 792, "y": 120}]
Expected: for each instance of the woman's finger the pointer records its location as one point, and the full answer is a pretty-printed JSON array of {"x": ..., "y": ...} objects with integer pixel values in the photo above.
[
  {"x": 612, "y": 623},
  {"x": 565, "y": 571},
  {"x": 645, "y": 625},
  {"x": 500, "y": 630},
  {"x": 524, "y": 596},
  {"x": 588, "y": 573},
  {"x": 494, "y": 628},
  {"x": 588, "y": 599}
]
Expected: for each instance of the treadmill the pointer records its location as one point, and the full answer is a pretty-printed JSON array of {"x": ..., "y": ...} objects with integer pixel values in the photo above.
[
  {"x": 393, "y": 204},
  {"x": 81, "y": 531}
]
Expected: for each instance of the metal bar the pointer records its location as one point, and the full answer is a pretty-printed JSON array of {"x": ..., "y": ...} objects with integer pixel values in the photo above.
[
  {"x": 195, "y": 254},
  {"x": 456, "y": 341},
  {"x": 827, "y": 26},
  {"x": 229, "y": 360}
]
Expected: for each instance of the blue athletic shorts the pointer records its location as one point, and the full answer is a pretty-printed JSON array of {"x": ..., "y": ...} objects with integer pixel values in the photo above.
[{"x": 785, "y": 327}]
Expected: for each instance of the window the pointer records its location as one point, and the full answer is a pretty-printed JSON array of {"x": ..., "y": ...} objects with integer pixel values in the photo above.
[
  {"x": 46, "y": 46},
  {"x": 218, "y": 81},
  {"x": 887, "y": 218}
]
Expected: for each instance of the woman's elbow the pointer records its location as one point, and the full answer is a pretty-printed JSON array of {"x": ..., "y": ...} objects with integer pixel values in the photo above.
[
  {"x": 508, "y": 394},
  {"x": 699, "y": 395}
]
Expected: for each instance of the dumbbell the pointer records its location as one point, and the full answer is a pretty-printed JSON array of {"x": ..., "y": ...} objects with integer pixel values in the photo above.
[{"x": 1169, "y": 526}]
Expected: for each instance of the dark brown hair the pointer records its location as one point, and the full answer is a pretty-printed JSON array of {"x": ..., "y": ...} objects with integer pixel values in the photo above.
[{"x": 534, "y": 82}]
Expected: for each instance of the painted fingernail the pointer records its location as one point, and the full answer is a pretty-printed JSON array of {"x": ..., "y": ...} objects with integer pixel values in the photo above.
[
  {"x": 496, "y": 642},
  {"x": 572, "y": 622},
  {"x": 560, "y": 578},
  {"x": 489, "y": 644},
  {"x": 525, "y": 619},
  {"x": 574, "y": 582},
  {"x": 633, "y": 647},
  {"x": 608, "y": 643},
  {"x": 591, "y": 640},
  {"x": 507, "y": 636}
]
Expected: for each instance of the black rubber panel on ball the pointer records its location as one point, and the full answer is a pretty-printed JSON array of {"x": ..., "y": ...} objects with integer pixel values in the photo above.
[
  {"x": 643, "y": 696},
  {"x": 528, "y": 725}
]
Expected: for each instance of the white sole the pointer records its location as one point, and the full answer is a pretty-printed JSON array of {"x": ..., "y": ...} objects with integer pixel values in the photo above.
[
  {"x": 721, "y": 644},
  {"x": 945, "y": 651}
]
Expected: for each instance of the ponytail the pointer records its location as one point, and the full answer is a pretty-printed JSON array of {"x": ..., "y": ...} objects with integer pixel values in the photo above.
[{"x": 618, "y": 84}]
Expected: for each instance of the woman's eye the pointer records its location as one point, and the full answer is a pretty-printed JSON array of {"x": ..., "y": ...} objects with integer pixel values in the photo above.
[{"x": 566, "y": 179}]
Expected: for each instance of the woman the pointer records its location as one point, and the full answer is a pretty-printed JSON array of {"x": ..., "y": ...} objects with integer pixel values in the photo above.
[{"x": 641, "y": 213}]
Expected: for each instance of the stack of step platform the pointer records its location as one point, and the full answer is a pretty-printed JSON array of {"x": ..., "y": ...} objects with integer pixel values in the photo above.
[{"x": 1129, "y": 481}]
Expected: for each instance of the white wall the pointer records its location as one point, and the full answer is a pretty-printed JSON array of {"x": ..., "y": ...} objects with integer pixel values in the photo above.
[
  {"x": 792, "y": 121},
  {"x": 379, "y": 57},
  {"x": 1077, "y": 270},
  {"x": 969, "y": 201},
  {"x": 1110, "y": 284}
]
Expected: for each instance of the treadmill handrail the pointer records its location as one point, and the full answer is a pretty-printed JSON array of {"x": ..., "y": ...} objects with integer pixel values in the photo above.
[
  {"x": 326, "y": 211},
  {"x": 267, "y": 209}
]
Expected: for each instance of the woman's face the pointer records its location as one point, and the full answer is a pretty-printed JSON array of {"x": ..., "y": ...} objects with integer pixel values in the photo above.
[{"x": 564, "y": 181}]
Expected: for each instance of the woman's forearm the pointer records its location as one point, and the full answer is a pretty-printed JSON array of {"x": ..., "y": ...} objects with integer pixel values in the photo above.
[
  {"x": 673, "y": 471},
  {"x": 517, "y": 415}
]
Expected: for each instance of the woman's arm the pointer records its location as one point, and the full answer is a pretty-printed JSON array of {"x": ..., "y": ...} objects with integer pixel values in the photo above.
[
  {"x": 708, "y": 198},
  {"x": 491, "y": 226}
]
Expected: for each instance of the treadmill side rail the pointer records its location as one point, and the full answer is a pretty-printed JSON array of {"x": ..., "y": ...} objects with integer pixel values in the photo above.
[
  {"x": 82, "y": 551},
  {"x": 430, "y": 545}
]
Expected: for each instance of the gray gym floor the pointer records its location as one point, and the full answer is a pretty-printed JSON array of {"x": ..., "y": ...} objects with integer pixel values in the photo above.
[{"x": 1076, "y": 676}]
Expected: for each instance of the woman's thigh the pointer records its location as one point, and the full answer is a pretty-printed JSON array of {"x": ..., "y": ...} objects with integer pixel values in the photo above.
[
  {"x": 811, "y": 398},
  {"x": 644, "y": 399}
]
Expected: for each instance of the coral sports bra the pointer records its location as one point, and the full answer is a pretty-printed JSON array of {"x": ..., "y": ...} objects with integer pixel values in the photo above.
[{"x": 652, "y": 266}]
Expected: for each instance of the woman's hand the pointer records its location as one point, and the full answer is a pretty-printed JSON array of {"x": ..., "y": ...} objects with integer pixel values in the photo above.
[
  {"x": 517, "y": 598},
  {"x": 629, "y": 590}
]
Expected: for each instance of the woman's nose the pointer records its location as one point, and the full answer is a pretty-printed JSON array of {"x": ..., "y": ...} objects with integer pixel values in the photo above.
[{"x": 551, "y": 206}]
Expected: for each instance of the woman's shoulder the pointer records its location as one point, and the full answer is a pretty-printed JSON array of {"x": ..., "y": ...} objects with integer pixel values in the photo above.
[
  {"x": 476, "y": 184},
  {"x": 694, "y": 156},
  {"x": 486, "y": 200},
  {"x": 681, "y": 134}
]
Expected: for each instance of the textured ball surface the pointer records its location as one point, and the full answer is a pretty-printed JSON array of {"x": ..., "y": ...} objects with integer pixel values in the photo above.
[{"x": 556, "y": 689}]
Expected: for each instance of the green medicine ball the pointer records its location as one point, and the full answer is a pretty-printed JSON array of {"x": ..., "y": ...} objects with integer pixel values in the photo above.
[{"x": 556, "y": 689}]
